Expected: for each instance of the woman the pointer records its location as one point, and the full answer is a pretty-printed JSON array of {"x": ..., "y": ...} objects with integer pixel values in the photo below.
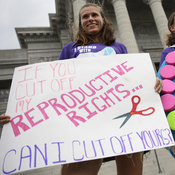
[
  {"x": 170, "y": 38},
  {"x": 96, "y": 37}
]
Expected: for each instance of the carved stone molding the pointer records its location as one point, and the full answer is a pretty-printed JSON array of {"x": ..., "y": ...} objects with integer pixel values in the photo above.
[
  {"x": 3, "y": 106},
  {"x": 41, "y": 40},
  {"x": 42, "y": 59},
  {"x": 4, "y": 93}
]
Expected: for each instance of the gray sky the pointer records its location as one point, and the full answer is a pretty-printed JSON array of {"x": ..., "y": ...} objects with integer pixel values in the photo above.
[{"x": 22, "y": 13}]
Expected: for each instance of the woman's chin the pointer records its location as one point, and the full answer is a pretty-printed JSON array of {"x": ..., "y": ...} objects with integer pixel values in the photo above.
[{"x": 93, "y": 33}]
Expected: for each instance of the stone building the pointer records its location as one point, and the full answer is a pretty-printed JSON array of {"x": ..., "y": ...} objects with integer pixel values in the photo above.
[{"x": 139, "y": 24}]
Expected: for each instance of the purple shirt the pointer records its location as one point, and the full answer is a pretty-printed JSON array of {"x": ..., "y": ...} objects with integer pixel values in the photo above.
[
  {"x": 96, "y": 49},
  {"x": 165, "y": 53}
]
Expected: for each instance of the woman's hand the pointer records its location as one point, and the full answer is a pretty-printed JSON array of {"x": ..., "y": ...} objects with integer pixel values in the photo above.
[
  {"x": 4, "y": 119},
  {"x": 159, "y": 85}
]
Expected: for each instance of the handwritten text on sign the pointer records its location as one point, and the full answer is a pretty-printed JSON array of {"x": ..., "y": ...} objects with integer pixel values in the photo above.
[
  {"x": 72, "y": 99},
  {"x": 63, "y": 112}
]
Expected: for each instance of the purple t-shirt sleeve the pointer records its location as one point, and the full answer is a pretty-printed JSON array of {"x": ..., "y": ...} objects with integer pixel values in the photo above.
[
  {"x": 165, "y": 53},
  {"x": 162, "y": 58},
  {"x": 122, "y": 48},
  {"x": 65, "y": 53}
]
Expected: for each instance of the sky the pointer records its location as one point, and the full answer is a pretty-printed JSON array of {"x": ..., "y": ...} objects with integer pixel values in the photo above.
[{"x": 22, "y": 13}]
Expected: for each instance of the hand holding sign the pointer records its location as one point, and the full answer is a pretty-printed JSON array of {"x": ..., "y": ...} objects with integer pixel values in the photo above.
[{"x": 4, "y": 119}]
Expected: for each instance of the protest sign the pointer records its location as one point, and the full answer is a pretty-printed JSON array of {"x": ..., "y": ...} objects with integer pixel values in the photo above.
[{"x": 82, "y": 109}]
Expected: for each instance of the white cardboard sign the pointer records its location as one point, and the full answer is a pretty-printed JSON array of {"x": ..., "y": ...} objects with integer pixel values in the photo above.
[{"x": 66, "y": 111}]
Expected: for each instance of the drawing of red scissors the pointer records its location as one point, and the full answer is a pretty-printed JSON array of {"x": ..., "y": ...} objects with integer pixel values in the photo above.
[{"x": 135, "y": 101}]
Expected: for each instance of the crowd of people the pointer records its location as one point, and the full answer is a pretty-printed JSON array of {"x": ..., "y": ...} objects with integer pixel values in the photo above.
[{"x": 96, "y": 30}]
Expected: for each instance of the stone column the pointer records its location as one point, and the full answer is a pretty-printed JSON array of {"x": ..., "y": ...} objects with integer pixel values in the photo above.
[
  {"x": 159, "y": 17},
  {"x": 77, "y": 4},
  {"x": 124, "y": 25}
]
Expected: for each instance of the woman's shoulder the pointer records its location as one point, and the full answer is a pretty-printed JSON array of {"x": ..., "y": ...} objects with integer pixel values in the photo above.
[
  {"x": 120, "y": 46},
  {"x": 118, "y": 43},
  {"x": 69, "y": 45},
  {"x": 168, "y": 50},
  {"x": 67, "y": 51}
]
